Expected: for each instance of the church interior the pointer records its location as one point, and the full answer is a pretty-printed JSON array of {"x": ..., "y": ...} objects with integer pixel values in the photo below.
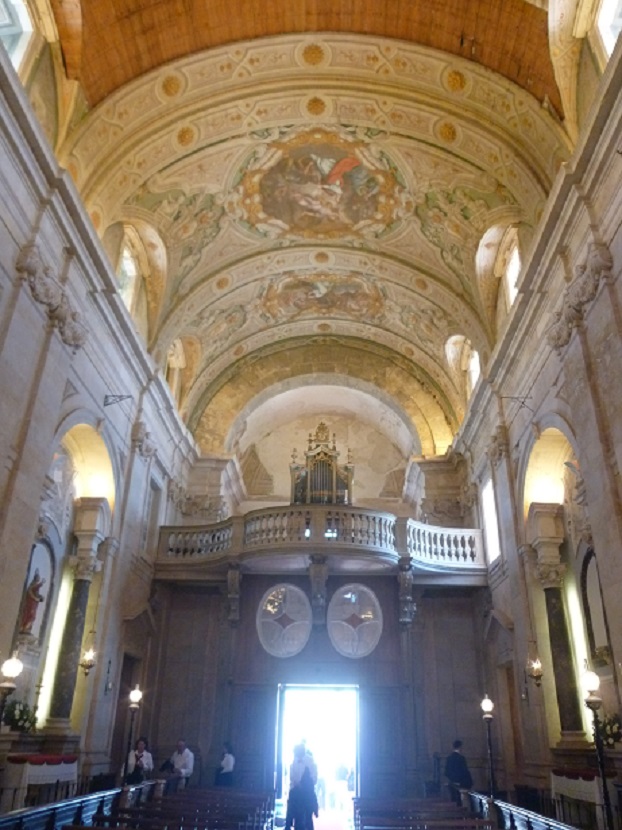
[{"x": 309, "y": 316}]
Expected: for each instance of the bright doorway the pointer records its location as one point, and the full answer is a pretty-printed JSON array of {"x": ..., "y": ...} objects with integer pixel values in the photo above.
[{"x": 326, "y": 719}]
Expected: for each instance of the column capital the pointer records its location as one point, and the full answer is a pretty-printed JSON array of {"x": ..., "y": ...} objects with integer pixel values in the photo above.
[
  {"x": 551, "y": 575},
  {"x": 545, "y": 531}
]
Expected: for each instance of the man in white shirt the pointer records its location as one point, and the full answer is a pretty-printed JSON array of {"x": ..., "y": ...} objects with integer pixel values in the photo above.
[{"x": 183, "y": 762}]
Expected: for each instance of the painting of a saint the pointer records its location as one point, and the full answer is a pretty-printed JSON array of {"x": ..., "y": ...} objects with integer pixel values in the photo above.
[
  {"x": 32, "y": 600},
  {"x": 33, "y": 614}
]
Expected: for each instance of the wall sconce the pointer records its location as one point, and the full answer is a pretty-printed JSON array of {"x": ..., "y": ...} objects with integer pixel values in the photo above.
[
  {"x": 10, "y": 670},
  {"x": 88, "y": 661},
  {"x": 534, "y": 670}
]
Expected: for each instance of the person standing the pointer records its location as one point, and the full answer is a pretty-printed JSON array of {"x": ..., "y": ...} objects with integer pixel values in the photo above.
[
  {"x": 457, "y": 772},
  {"x": 139, "y": 763},
  {"x": 182, "y": 761},
  {"x": 224, "y": 775}
]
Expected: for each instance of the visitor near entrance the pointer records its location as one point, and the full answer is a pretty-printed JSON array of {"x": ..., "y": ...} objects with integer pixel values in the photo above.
[
  {"x": 457, "y": 771},
  {"x": 302, "y": 803}
]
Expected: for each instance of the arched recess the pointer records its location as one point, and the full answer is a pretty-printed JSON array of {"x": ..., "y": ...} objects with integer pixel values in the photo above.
[
  {"x": 94, "y": 476},
  {"x": 81, "y": 468},
  {"x": 556, "y": 513},
  {"x": 426, "y": 405},
  {"x": 369, "y": 429}
]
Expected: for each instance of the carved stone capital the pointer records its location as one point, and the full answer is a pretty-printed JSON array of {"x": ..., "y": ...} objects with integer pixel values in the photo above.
[
  {"x": 85, "y": 568},
  {"x": 551, "y": 575}
]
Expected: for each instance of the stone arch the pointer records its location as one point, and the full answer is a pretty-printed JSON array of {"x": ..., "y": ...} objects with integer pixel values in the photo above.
[{"x": 94, "y": 464}]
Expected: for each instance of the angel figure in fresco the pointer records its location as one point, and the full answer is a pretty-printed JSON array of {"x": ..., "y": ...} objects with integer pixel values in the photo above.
[{"x": 32, "y": 600}]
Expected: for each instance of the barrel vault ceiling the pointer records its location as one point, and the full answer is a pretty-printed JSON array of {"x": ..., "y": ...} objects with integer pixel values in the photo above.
[{"x": 319, "y": 191}]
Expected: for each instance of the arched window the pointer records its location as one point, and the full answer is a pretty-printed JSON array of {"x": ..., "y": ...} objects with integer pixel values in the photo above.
[
  {"x": 473, "y": 369},
  {"x": 464, "y": 360},
  {"x": 489, "y": 517},
  {"x": 512, "y": 270},
  {"x": 175, "y": 364},
  {"x": 130, "y": 276},
  {"x": 609, "y": 23},
  {"x": 15, "y": 29}
]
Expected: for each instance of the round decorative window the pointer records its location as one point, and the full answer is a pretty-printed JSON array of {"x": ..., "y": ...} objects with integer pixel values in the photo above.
[
  {"x": 354, "y": 621},
  {"x": 284, "y": 620}
]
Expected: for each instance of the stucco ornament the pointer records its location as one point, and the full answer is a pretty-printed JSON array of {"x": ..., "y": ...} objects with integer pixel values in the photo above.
[
  {"x": 579, "y": 294},
  {"x": 48, "y": 291}
]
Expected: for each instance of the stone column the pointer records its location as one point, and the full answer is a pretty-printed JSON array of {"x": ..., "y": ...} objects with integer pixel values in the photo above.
[
  {"x": 547, "y": 533},
  {"x": 90, "y": 528}
]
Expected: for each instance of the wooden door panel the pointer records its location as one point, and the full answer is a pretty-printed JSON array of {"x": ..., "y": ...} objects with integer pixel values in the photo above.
[{"x": 381, "y": 730}]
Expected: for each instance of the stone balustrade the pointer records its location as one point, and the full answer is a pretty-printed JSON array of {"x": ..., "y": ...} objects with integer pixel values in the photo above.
[{"x": 322, "y": 529}]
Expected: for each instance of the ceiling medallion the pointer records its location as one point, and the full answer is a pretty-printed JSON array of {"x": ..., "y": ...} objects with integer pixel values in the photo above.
[
  {"x": 354, "y": 621},
  {"x": 313, "y": 54},
  {"x": 284, "y": 620},
  {"x": 447, "y": 132},
  {"x": 455, "y": 81},
  {"x": 316, "y": 106}
]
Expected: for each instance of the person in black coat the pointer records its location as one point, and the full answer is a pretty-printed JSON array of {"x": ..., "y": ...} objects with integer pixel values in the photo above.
[{"x": 457, "y": 771}]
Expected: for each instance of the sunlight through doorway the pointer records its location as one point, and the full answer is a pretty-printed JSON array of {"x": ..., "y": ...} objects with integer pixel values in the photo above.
[{"x": 325, "y": 719}]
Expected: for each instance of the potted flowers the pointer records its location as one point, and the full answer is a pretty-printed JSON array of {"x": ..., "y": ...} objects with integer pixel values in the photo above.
[
  {"x": 611, "y": 730},
  {"x": 19, "y": 716}
]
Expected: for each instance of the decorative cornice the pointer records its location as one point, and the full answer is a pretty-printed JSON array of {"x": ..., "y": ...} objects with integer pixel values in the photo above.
[
  {"x": 47, "y": 291},
  {"x": 579, "y": 295}
]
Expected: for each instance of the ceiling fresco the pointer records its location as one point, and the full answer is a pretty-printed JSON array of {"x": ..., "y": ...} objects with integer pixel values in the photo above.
[{"x": 319, "y": 202}]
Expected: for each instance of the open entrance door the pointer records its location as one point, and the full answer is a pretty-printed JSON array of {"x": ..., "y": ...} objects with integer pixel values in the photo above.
[{"x": 325, "y": 719}]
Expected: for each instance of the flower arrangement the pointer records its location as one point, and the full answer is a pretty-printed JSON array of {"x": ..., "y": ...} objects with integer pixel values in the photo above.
[
  {"x": 611, "y": 730},
  {"x": 19, "y": 716}
]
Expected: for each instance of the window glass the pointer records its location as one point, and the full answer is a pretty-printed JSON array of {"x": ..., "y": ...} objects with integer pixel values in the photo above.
[
  {"x": 511, "y": 274},
  {"x": 473, "y": 370},
  {"x": 127, "y": 273},
  {"x": 491, "y": 525},
  {"x": 610, "y": 23},
  {"x": 15, "y": 29}
]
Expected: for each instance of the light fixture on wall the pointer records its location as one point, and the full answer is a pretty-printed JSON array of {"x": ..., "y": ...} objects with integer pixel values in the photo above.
[
  {"x": 593, "y": 701},
  {"x": 487, "y": 706},
  {"x": 10, "y": 670},
  {"x": 135, "y": 697},
  {"x": 535, "y": 671},
  {"x": 88, "y": 661}
]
